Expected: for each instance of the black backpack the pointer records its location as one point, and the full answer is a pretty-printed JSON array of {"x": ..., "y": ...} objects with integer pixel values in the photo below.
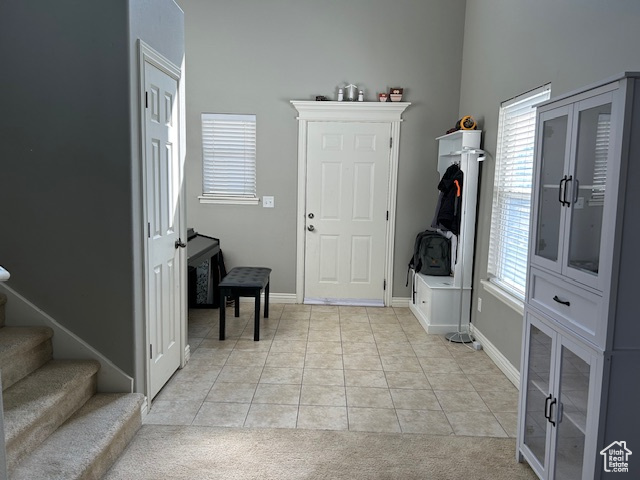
[{"x": 431, "y": 254}]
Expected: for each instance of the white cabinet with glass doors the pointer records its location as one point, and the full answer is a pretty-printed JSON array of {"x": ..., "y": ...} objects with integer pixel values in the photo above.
[
  {"x": 573, "y": 225},
  {"x": 559, "y": 402},
  {"x": 581, "y": 338}
]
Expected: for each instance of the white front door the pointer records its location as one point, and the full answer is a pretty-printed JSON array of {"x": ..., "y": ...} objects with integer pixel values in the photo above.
[
  {"x": 348, "y": 167},
  {"x": 163, "y": 180}
]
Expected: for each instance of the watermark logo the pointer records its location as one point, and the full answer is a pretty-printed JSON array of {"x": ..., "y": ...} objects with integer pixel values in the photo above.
[{"x": 616, "y": 457}]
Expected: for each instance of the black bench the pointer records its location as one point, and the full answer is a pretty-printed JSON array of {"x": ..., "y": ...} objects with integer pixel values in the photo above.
[{"x": 245, "y": 282}]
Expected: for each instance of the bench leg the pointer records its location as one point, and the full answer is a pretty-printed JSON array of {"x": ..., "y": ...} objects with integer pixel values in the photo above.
[
  {"x": 236, "y": 301},
  {"x": 256, "y": 326},
  {"x": 223, "y": 304},
  {"x": 266, "y": 300}
]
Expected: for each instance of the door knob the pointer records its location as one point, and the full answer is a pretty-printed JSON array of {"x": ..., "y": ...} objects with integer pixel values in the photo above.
[
  {"x": 180, "y": 244},
  {"x": 311, "y": 228}
]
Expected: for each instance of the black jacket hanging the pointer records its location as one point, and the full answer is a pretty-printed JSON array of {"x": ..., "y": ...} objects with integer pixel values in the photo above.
[{"x": 448, "y": 213}]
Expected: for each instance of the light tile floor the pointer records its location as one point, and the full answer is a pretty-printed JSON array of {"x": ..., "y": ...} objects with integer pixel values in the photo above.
[{"x": 336, "y": 368}]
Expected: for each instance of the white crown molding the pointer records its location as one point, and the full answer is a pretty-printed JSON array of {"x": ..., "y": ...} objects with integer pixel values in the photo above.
[{"x": 353, "y": 111}]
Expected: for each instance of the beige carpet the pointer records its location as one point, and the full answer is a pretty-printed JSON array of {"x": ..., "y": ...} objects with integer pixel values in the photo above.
[{"x": 179, "y": 452}]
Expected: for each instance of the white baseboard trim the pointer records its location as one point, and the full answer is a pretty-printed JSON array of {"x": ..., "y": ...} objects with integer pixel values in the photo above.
[
  {"x": 498, "y": 358},
  {"x": 187, "y": 355},
  {"x": 144, "y": 408},
  {"x": 344, "y": 302},
  {"x": 273, "y": 298},
  {"x": 400, "y": 302},
  {"x": 20, "y": 312}
]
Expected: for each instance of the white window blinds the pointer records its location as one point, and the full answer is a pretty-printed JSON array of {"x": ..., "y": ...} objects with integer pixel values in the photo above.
[
  {"x": 229, "y": 156},
  {"x": 510, "y": 214}
]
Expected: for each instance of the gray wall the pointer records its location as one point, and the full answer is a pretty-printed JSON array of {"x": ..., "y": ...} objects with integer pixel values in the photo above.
[
  {"x": 69, "y": 195},
  {"x": 511, "y": 47},
  {"x": 252, "y": 56}
]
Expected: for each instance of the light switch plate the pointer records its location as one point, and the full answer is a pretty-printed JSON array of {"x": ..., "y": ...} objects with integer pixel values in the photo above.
[{"x": 268, "y": 202}]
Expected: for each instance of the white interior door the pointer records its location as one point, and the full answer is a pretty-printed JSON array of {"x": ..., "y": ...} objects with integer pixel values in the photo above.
[
  {"x": 163, "y": 180},
  {"x": 348, "y": 165}
]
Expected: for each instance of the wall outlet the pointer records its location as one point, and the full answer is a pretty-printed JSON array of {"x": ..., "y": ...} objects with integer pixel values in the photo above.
[
  {"x": 479, "y": 304},
  {"x": 268, "y": 202}
]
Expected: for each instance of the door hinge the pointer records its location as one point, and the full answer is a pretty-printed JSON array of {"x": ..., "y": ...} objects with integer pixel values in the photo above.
[
  {"x": 390, "y": 142},
  {"x": 146, "y": 99},
  {"x": 150, "y": 351},
  {"x": 387, "y": 215},
  {"x": 384, "y": 284},
  {"x": 148, "y": 229}
]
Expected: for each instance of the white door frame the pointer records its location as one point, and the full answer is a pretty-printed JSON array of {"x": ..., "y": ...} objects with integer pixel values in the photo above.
[
  {"x": 378, "y": 112},
  {"x": 151, "y": 56}
]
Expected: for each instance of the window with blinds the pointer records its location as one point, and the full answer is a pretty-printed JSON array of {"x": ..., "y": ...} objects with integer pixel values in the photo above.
[
  {"x": 512, "y": 191},
  {"x": 229, "y": 158}
]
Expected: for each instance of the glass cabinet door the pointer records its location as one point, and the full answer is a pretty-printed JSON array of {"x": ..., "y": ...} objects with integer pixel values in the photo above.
[
  {"x": 571, "y": 415},
  {"x": 553, "y": 158},
  {"x": 587, "y": 189},
  {"x": 537, "y": 400}
]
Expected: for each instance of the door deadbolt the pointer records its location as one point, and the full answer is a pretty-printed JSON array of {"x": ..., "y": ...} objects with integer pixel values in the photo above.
[{"x": 311, "y": 215}]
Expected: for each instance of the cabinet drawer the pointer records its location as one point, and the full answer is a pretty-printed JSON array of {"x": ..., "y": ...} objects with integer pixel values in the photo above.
[{"x": 577, "y": 309}]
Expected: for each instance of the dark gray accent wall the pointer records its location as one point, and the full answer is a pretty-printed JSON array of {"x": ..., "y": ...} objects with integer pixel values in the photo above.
[
  {"x": 253, "y": 56},
  {"x": 509, "y": 48},
  {"x": 65, "y": 196},
  {"x": 69, "y": 197}
]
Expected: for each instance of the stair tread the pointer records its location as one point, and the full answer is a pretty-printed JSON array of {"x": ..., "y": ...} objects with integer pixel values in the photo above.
[
  {"x": 27, "y": 400},
  {"x": 70, "y": 451},
  {"x": 14, "y": 340}
]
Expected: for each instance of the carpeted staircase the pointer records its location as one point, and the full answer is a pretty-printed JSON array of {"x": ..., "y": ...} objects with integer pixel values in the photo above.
[{"x": 56, "y": 425}]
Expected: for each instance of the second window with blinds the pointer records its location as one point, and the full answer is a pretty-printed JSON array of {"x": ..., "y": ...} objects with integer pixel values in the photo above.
[
  {"x": 512, "y": 192},
  {"x": 229, "y": 159}
]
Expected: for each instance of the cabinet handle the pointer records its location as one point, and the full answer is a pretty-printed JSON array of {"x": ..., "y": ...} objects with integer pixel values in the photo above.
[
  {"x": 559, "y": 412},
  {"x": 577, "y": 190},
  {"x": 563, "y": 302},
  {"x": 555, "y": 400},
  {"x": 564, "y": 195},
  {"x": 564, "y": 179},
  {"x": 546, "y": 408}
]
